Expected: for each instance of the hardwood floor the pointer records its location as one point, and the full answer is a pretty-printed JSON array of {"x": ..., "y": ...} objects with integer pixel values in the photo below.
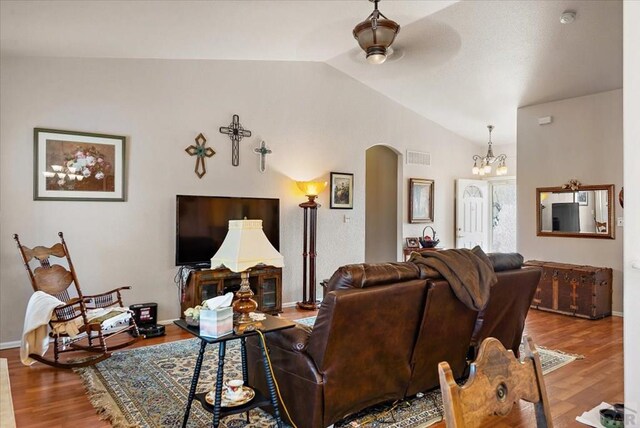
[{"x": 47, "y": 397}]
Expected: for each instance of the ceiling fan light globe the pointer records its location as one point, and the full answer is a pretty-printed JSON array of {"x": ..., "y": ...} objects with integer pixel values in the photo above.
[
  {"x": 376, "y": 58},
  {"x": 375, "y": 39}
]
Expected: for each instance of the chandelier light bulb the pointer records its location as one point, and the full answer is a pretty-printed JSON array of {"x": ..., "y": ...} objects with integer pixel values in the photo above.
[
  {"x": 475, "y": 170},
  {"x": 487, "y": 169}
]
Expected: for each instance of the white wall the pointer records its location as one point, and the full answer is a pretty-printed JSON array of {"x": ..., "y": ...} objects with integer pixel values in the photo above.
[
  {"x": 314, "y": 118},
  {"x": 584, "y": 142},
  {"x": 632, "y": 208}
]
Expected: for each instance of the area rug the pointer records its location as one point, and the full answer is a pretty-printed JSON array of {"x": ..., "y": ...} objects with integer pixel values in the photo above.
[{"x": 148, "y": 387}]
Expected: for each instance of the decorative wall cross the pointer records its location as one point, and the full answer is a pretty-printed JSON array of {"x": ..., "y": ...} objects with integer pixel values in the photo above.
[
  {"x": 236, "y": 132},
  {"x": 200, "y": 151},
  {"x": 263, "y": 151}
]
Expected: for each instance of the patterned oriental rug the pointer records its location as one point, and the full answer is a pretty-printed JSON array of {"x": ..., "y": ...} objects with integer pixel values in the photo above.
[{"x": 148, "y": 387}]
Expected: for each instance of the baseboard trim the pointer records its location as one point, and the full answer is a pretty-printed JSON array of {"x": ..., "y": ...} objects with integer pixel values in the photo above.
[
  {"x": 617, "y": 314},
  {"x": 9, "y": 345}
]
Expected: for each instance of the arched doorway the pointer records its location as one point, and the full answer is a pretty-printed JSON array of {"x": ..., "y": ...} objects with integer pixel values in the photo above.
[{"x": 382, "y": 226}]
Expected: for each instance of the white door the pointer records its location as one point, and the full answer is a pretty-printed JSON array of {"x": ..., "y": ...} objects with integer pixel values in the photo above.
[{"x": 472, "y": 214}]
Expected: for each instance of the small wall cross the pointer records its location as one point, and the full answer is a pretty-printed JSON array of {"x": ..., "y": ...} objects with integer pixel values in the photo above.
[
  {"x": 263, "y": 151},
  {"x": 236, "y": 132},
  {"x": 201, "y": 152}
]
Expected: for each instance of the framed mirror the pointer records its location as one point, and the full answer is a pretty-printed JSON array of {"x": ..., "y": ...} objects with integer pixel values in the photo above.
[{"x": 587, "y": 212}]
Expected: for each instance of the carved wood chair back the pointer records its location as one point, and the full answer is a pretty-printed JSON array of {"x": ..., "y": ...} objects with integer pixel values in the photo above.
[
  {"x": 497, "y": 381},
  {"x": 54, "y": 279},
  {"x": 51, "y": 278}
]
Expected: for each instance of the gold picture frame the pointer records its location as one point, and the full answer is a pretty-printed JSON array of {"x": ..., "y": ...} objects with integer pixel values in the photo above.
[{"x": 421, "y": 193}]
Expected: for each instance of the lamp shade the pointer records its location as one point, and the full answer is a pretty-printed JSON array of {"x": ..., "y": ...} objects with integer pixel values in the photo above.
[
  {"x": 246, "y": 246},
  {"x": 311, "y": 188}
]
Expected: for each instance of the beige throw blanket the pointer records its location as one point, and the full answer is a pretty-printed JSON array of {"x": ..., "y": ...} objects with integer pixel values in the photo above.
[
  {"x": 469, "y": 272},
  {"x": 35, "y": 334}
]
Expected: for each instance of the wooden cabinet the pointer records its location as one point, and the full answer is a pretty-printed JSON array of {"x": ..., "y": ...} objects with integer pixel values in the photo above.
[
  {"x": 266, "y": 283},
  {"x": 581, "y": 291}
]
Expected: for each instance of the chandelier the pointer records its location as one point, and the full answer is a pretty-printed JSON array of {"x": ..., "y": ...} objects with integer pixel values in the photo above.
[
  {"x": 482, "y": 164},
  {"x": 375, "y": 35}
]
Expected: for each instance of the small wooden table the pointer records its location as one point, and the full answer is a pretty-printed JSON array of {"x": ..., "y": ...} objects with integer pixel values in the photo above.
[
  {"x": 407, "y": 251},
  {"x": 271, "y": 323}
]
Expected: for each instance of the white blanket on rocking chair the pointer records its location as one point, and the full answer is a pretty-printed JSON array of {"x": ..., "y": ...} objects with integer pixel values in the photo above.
[{"x": 35, "y": 333}]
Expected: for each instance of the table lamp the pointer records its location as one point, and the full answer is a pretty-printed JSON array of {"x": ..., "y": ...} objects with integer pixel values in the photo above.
[
  {"x": 311, "y": 190},
  {"x": 244, "y": 247}
]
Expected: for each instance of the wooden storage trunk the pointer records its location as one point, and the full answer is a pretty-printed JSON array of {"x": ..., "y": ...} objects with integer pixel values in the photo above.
[{"x": 581, "y": 291}]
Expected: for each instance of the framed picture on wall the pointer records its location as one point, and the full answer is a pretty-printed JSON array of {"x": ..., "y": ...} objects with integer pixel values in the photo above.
[
  {"x": 420, "y": 200},
  {"x": 582, "y": 198},
  {"x": 341, "y": 190},
  {"x": 78, "y": 166}
]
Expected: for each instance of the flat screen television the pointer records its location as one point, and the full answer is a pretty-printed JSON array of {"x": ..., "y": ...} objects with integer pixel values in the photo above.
[
  {"x": 202, "y": 223},
  {"x": 565, "y": 216}
]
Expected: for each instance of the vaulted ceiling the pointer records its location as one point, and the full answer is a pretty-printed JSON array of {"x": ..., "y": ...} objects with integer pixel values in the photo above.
[{"x": 461, "y": 64}]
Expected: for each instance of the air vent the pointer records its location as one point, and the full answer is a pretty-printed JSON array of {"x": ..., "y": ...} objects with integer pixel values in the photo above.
[{"x": 418, "y": 158}]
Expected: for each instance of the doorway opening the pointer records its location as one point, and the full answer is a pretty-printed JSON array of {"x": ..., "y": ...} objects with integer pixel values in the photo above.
[{"x": 383, "y": 206}]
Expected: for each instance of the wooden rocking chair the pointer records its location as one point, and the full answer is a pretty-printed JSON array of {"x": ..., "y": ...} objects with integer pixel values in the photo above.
[
  {"x": 93, "y": 335},
  {"x": 497, "y": 381}
]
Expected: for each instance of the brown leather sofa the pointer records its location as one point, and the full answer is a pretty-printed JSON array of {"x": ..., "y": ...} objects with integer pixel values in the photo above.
[{"x": 380, "y": 333}]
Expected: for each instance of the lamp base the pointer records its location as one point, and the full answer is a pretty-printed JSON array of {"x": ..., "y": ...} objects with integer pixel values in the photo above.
[
  {"x": 244, "y": 303},
  {"x": 308, "y": 306}
]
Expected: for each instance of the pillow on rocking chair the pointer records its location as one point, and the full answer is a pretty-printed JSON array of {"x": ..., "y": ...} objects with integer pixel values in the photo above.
[{"x": 109, "y": 318}]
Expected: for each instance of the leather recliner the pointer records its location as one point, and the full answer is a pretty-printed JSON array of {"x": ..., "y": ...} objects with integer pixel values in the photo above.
[{"x": 379, "y": 335}]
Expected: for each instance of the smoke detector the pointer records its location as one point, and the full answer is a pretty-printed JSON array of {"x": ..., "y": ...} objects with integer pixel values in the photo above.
[{"x": 567, "y": 17}]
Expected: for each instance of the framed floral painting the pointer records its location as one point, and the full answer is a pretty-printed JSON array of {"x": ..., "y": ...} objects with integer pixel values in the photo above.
[{"x": 78, "y": 166}]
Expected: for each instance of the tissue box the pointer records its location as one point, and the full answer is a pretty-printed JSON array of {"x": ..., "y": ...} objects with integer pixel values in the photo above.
[{"x": 217, "y": 322}]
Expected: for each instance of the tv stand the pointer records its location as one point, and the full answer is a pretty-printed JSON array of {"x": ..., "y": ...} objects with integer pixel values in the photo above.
[{"x": 265, "y": 282}]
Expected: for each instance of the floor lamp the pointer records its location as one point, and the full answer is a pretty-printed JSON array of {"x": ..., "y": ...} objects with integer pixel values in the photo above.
[{"x": 311, "y": 189}]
